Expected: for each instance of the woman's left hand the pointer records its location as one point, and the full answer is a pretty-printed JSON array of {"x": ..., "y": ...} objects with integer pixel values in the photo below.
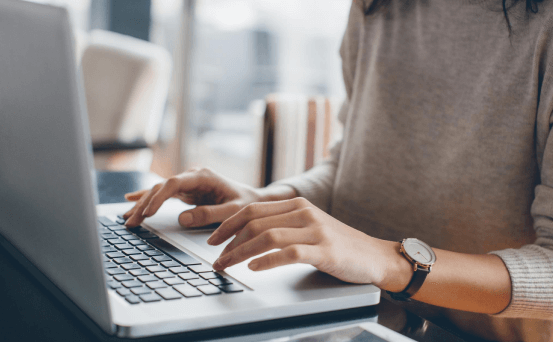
[{"x": 304, "y": 234}]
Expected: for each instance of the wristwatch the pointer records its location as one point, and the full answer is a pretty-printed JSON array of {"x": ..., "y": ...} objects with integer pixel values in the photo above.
[{"x": 422, "y": 257}]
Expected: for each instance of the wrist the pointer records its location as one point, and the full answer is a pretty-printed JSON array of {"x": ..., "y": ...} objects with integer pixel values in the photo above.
[
  {"x": 278, "y": 192},
  {"x": 399, "y": 271}
]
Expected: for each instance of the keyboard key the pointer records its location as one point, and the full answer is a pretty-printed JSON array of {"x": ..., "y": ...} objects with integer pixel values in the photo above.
[
  {"x": 148, "y": 235},
  {"x": 145, "y": 248},
  {"x": 173, "y": 281},
  {"x": 180, "y": 269},
  {"x": 114, "y": 284},
  {"x": 220, "y": 281},
  {"x": 131, "y": 251},
  {"x": 161, "y": 258},
  {"x": 147, "y": 278},
  {"x": 140, "y": 290},
  {"x": 153, "y": 253},
  {"x": 105, "y": 221},
  {"x": 105, "y": 258},
  {"x": 187, "y": 290},
  {"x": 120, "y": 220},
  {"x": 209, "y": 289},
  {"x": 151, "y": 297},
  {"x": 198, "y": 282},
  {"x": 116, "y": 241},
  {"x": 137, "y": 242},
  {"x": 230, "y": 288},
  {"x": 200, "y": 269},
  {"x": 129, "y": 237},
  {"x": 139, "y": 257},
  {"x": 132, "y": 266},
  {"x": 117, "y": 227},
  {"x": 156, "y": 284},
  {"x": 154, "y": 269},
  {"x": 122, "y": 232},
  {"x": 146, "y": 263},
  {"x": 164, "y": 275},
  {"x": 124, "y": 260},
  {"x": 109, "y": 264},
  {"x": 174, "y": 252},
  {"x": 114, "y": 271},
  {"x": 131, "y": 283},
  {"x": 170, "y": 264},
  {"x": 168, "y": 294},
  {"x": 124, "y": 292},
  {"x": 104, "y": 244},
  {"x": 115, "y": 255},
  {"x": 188, "y": 276},
  {"x": 123, "y": 277},
  {"x": 102, "y": 230},
  {"x": 132, "y": 299},
  {"x": 123, "y": 246},
  {"x": 210, "y": 275},
  {"x": 108, "y": 249},
  {"x": 109, "y": 235},
  {"x": 140, "y": 229},
  {"x": 139, "y": 272}
]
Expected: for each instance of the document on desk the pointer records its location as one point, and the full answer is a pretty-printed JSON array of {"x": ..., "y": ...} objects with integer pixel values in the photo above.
[{"x": 366, "y": 332}]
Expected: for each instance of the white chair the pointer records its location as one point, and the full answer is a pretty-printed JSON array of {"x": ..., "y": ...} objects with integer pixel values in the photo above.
[{"x": 126, "y": 83}]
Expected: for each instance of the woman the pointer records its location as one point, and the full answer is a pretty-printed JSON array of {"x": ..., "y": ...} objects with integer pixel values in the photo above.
[{"x": 446, "y": 139}]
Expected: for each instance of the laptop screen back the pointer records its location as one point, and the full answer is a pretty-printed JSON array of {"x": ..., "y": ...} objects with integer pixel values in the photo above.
[{"x": 46, "y": 197}]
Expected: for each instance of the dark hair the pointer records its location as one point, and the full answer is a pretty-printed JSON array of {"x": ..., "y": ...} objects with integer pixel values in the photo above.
[{"x": 531, "y": 6}]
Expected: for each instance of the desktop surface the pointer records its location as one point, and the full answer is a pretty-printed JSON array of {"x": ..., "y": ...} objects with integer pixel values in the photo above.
[{"x": 30, "y": 312}]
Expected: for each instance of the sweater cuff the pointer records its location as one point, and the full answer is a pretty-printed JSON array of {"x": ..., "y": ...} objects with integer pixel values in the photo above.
[
  {"x": 308, "y": 189},
  {"x": 531, "y": 271}
]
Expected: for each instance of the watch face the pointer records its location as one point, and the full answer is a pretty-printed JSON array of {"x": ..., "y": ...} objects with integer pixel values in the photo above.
[{"x": 419, "y": 251}]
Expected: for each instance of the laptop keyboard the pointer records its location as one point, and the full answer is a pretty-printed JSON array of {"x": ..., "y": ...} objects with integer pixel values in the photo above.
[{"x": 142, "y": 268}]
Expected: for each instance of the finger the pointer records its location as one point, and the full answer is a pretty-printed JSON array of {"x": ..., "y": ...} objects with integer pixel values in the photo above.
[
  {"x": 135, "y": 196},
  {"x": 268, "y": 240},
  {"x": 258, "y": 226},
  {"x": 294, "y": 254},
  {"x": 252, "y": 212},
  {"x": 176, "y": 186},
  {"x": 208, "y": 214},
  {"x": 131, "y": 212},
  {"x": 128, "y": 213},
  {"x": 136, "y": 218},
  {"x": 168, "y": 190}
]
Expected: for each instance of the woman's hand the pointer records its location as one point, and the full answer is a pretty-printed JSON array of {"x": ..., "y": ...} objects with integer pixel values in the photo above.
[
  {"x": 306, "y": 234},
  {"x": 216, "y": 197}
]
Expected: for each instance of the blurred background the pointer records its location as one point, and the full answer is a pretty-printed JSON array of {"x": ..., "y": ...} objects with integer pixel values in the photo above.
[{"x": 249, "y": 88}]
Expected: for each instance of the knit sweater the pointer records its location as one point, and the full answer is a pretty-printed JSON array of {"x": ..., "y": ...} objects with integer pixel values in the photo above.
[{"x": 446, "y": 139}]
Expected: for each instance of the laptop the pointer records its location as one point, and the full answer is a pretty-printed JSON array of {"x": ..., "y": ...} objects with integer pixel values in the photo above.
[{"x": 153, "y": 280}]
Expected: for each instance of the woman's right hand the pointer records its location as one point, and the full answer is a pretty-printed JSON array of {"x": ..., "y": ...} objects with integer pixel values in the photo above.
[{"x": 216, "y": 198}]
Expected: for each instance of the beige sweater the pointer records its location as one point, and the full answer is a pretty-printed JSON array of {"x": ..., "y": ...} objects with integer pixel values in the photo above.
[{"x": 446, "y": 139}]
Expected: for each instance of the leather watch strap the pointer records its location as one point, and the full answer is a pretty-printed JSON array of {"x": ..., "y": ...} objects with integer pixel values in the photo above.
[{"x": 414, "y": 285}]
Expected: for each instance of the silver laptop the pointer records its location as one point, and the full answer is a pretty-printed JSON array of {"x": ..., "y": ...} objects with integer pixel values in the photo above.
[{"x": 131, "y": 283}]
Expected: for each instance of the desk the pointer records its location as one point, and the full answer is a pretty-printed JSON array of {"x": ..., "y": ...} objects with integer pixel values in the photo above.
[{"x": 28, "y": 312}]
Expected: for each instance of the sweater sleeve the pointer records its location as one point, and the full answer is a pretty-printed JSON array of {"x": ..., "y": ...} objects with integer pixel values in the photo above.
[
  {"x": 531, "y": 266},
  {"x": 316, "y": 184}
]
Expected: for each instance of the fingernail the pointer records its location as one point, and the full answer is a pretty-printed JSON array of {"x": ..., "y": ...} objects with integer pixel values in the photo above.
[
  {"x": 186, "y": 219},
  {"x": 254, "y": 265},
  {"x": 212, "y": 239},
  {"x": 222, "y": 261}
]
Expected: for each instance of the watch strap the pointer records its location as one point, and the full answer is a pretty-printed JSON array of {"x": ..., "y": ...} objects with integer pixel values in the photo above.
[{"x": 419, "y": 276}]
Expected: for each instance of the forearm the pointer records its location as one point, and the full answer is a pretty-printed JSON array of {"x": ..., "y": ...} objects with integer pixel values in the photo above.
[{"x": 476, "y": 283}]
